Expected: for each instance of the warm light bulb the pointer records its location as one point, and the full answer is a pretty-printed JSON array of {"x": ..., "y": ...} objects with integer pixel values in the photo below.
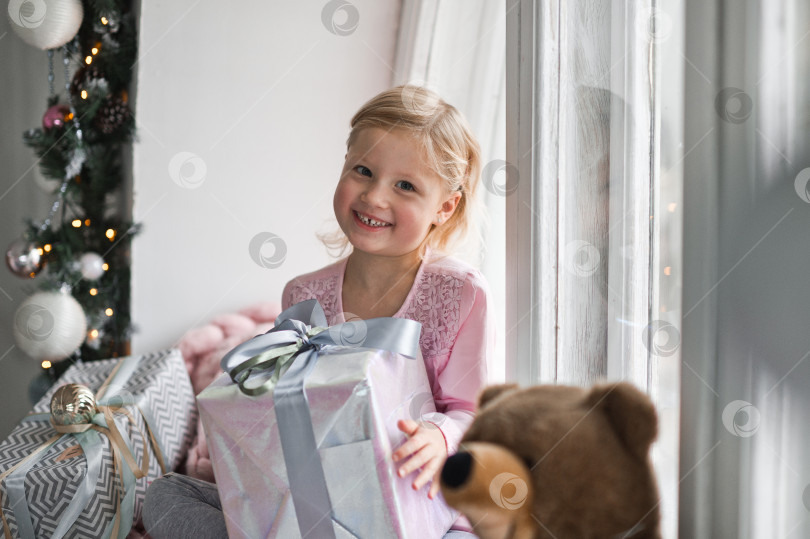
[
  {"x": 77, "y": 223},
  {"x": 108, "y": 312},
  {"x": 93, "y": 291},
  {"x": 104, "y": 20},
  {"x": 46, "y": 364},
  {"x": 110, "y": 233},
  {"x": 93, "y": 334},
  {"x": 48, "y": 247},
  {"x": 94, "y": 50},
  {"x": 105, "y": 266},
  {"x": 84, "y": 94},
  {"x": 88, "y": 60},
  {"x": 40, "y": 251}
]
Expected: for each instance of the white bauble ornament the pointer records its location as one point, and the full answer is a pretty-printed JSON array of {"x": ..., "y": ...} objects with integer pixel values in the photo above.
[
  {"x": 91, "y": 266},
  {"x": 45, "y": 24},
  {"x": 49, "y": 326}
]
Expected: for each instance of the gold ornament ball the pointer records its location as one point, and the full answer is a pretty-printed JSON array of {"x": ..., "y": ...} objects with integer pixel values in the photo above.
[{"x": 73, "y": 404}]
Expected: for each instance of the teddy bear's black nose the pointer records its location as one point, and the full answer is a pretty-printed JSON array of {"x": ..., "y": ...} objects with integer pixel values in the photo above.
[{"x": 457, "y": 469}]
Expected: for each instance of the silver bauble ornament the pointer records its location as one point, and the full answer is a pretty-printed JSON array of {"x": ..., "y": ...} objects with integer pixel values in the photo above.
[
  {"x": 73, "y": 404},
  {"x": 49, "y": 326},
  {"x": 91, "y": 265},
  {"x": 45, "y": 24},
  {"x": 23, "y": 258}
]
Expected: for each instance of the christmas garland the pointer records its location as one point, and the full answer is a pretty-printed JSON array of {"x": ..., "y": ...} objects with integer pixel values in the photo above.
[{"x": 83, "y": 245}]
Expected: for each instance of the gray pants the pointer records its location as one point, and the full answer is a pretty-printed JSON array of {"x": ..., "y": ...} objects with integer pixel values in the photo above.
[{"x": 178, "y": 506}]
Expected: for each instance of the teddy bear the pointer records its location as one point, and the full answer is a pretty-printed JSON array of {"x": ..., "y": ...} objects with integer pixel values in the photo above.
[{"x": 556, "y": 461}]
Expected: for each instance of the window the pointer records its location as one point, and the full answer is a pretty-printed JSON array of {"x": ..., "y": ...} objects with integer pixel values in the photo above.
[{"x": 593, "y": 226}]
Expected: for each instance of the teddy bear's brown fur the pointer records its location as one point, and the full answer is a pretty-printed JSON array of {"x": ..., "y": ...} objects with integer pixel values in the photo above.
[{"x": 557, "y": 461}]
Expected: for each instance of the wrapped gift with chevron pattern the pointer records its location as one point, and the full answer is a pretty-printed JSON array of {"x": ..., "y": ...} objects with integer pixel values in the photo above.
[{"x": 89, "y": 480}]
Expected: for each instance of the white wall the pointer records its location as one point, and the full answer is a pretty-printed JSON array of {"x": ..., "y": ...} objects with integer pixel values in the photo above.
[
  {"x": 23, "y": 94},
  {"x": 262, "y": 94}
]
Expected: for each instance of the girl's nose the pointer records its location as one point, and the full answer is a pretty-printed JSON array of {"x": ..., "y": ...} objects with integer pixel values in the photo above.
[{"x": 374, "y": 194}]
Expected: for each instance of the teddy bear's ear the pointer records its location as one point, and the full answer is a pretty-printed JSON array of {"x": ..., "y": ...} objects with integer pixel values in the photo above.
[
  {"x": 492, "y": 392},
  {"x": 630, "y": 412}
]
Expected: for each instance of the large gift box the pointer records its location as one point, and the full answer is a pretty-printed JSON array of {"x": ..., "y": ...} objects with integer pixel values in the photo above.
[
  {"x": 302, "y": 426},
  {"x": 85, "y": 474}
]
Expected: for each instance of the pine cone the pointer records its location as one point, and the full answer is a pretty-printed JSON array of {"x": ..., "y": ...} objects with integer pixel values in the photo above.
[
  {"x": 88, "y": 78},
  {"x": 112, "y": 115}
]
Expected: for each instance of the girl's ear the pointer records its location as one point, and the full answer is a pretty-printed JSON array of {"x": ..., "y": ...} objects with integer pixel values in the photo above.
[{"x": 449, "y": 206}]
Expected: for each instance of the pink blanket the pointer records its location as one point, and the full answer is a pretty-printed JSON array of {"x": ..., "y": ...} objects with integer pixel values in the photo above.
[{"x": 203, "y": 348}]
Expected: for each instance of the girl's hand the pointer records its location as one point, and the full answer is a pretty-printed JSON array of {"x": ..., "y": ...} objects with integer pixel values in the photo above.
[{"x": 426, "y": 444}]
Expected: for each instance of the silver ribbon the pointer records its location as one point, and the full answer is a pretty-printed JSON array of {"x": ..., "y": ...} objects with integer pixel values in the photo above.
[{"x": 301, "y": 331}]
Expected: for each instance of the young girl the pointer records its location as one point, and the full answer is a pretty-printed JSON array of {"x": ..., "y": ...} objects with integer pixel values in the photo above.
[{"x": 405, "y": 195}]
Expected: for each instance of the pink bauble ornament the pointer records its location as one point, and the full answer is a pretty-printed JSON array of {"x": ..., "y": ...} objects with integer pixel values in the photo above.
[{"x": 55, "y": 116}]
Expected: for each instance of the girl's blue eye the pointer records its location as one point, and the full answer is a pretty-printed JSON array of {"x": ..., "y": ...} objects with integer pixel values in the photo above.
[
  {"x": 405, "y": 185},
  {"x": 365, "y": 171}
]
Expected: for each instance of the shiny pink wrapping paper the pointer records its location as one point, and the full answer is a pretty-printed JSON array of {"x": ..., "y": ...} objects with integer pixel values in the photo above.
[{"x": 355, "y": 399}]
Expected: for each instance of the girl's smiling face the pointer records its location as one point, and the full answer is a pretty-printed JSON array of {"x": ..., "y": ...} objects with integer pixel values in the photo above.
[{"x": 388, "y": 196}]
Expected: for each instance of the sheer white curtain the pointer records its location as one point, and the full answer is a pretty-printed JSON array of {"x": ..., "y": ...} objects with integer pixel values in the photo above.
[
  {"x": 594, "y": 129},
  {"x": 457, "y": 48}
]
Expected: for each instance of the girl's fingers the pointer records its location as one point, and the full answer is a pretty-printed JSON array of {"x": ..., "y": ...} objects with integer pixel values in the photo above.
[
  {"x": 434, "y": 486},
  {"x": 427, "y": 473},
  {"x": 414, "y": 444},
  {"x": 408, "y": 426},
  {"x": 417, "y": 460}
]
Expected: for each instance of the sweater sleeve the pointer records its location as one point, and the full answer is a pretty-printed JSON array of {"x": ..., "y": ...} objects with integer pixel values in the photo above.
[
  {"x": 465, "y": 372},
  {"x": 286, "y": 295}
]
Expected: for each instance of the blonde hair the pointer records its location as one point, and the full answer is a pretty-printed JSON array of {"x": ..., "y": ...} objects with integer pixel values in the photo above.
[{"x": 452, "y": 152}]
